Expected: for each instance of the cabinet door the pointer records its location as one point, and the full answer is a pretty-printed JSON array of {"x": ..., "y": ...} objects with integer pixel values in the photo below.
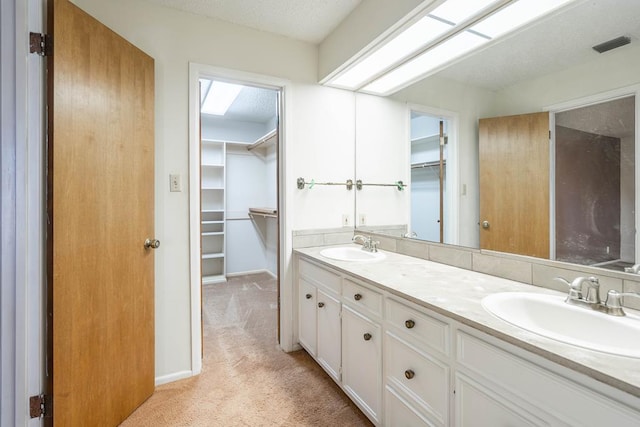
[
  {"x": 361, "y": 361},
  {"x": 478, "y": 406},
  {"x": 329, "y": 345},
  {"x": 307, "y": 316}
]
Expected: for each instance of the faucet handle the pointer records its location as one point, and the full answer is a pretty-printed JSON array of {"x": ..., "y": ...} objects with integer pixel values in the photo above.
[
  {"x": 635, "y": 269},
  {"x": 575, "y": 287},
  {"x": 613, "y": 304}
]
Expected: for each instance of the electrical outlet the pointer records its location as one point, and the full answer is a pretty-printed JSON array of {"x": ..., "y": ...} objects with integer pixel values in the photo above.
[
  {"x": 345, "y": 220},
  {"x": 362, "y": 219},
  {"x": 175, "y": 184}
]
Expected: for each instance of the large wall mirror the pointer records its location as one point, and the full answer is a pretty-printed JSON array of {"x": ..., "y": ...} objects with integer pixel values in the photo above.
[{"x": 547, "y": 67}]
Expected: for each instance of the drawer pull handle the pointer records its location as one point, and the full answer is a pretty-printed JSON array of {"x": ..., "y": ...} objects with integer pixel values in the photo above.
[
  {"x": 308, "y": 296},
  {"x": 409, "y": 374},
  {"x": 367, "y": 336},
  {"x": 409, "y": 324},
  {"x": 320, "y": 304},
  {"x": 357, "y": 297}
]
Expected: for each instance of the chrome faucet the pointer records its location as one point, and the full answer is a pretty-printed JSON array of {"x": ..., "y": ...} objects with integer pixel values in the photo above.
[
  {"x": 612, "y": 304},
  {"x": 368, "y": 244},
  {"x": 635, "y": 269},
  {"x": 576, "y": 297}
]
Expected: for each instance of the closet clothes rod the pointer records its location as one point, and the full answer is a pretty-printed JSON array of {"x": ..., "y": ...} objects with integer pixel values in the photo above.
[
  {"x": 263, "y": 140},
  {"x": 301, "y": 183},
  {"x": 263, "y": 212},
  {"x": 398, "y": 184}
]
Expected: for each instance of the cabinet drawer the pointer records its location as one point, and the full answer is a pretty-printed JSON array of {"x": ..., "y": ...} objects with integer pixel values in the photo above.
[
  {"x": 559, "y": 397},
  {"x": 420, "y": 327},
  {"x": 362, "y": 297},
  {"x": 319, "y": 276},
  {"x": 424, "y": 378},
  {"x": 399, "y": 413}
]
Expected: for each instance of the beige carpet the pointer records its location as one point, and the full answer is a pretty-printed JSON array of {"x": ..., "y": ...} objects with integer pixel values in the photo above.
[{"x": 246, "y": 379}]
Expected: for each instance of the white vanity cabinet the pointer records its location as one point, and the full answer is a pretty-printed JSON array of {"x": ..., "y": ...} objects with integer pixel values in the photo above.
[
  {"x": 362, "y": 361},
  {"x": 497, "y": 386},
  {"x": 319, "y": 315},
  {"x": 405, "y": 365},
  {"x": 416, "y": 361},
  {"x": 329, "y": 352}
]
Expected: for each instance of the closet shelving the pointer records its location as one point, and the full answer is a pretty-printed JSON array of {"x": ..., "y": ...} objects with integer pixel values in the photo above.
[{"x": 212, "y": 216}]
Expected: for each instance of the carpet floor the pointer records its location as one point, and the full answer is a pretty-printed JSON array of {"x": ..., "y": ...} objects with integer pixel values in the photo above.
[{"x": 246, "y": 379}]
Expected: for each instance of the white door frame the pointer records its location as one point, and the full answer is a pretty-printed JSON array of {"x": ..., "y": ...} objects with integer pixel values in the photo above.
[
  {"x": 197, "y": 71},
  {"x": 23, "y": 213},
  {"x": 452, "y": 172}
]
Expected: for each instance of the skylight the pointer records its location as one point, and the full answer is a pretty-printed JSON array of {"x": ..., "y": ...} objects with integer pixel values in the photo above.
[{"x": 219, "y": 97}]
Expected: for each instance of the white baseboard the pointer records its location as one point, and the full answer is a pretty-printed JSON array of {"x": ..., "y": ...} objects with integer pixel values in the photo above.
[
  {"x": 244, "y": 273},
  {"x": 173, "y": 377}
]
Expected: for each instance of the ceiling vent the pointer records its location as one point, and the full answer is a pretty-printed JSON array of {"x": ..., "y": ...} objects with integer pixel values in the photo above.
[{"x": 612, "y": 44}]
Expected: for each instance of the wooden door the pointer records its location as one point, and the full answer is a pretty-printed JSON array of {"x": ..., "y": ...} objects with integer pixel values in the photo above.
[
  {"x": 514, "y": 184},
  {"x": 100, "y": 207}
]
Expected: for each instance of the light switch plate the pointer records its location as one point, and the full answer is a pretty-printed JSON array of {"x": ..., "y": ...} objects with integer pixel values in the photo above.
[{"x": 175, "y": 184}]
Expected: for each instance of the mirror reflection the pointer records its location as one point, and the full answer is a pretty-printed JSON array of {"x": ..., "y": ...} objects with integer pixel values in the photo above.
[
  {"x": 428, "y": 177},
  {"x": 547, "y": 67}
]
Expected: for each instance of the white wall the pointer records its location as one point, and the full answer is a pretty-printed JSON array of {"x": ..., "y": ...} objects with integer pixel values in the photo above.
[
  {"x": 612, "y": 70},
  {"x": 324, "y": 131},
  {"x": 382, "y": 157},
  {"x": 232, "y": 130}
]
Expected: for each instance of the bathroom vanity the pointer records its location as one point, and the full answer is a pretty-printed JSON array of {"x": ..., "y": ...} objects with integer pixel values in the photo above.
[{"x": 410, "y": 343}]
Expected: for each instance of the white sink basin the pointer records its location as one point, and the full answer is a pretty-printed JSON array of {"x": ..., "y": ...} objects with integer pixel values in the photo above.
[
  {"x": 550, "y": 316},
  {"x": 348, "y": 253}
]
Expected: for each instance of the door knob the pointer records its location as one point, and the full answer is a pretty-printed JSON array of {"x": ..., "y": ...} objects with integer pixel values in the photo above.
[
  {"x": 485, "y": 224},
  {"x": 367, "y": 336},
  {"x": 152, "y": 243}
]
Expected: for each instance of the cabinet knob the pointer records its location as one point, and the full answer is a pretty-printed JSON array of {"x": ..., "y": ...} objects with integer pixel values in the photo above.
[
  {"x": 320, "y": 304},
  {"x": 409, "y": 374},
  {"x": 357, "y": 297},
  {"x": 409, "y": 323},
  {"x": 308, "y": 296},
  {"x": 367, "y": 336}
]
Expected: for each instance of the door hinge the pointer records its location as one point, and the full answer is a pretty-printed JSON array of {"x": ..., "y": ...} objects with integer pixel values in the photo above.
[
  {"x": 40, "y": 44},
  {"x": 40, "y": 406}
]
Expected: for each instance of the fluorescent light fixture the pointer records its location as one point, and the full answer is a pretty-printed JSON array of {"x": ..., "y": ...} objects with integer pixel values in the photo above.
[
  {"x": 219, "y": 98},
  {"x": 516, "y": 15},
  {"x": 417, "y": 36},
  {"x": 457, "y": 11},
  {"x": 449, "y": 31},
  {"x": 406, "y": 43},
  {"x": 430, "y": 60}
]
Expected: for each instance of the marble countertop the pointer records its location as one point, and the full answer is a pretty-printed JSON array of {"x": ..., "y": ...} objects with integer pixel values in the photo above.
[{"x": 457, "y": 293}]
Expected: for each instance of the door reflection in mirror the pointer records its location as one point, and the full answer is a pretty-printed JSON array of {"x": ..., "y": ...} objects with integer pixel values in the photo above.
[
  {"x": 428, "y": 177},
  {"x": 595, "y": 184}
]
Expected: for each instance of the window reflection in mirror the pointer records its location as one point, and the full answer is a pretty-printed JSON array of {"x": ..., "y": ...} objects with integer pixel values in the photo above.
[
  {"x": 595, "y": 184},
  {"x": 428, "y": 177}
]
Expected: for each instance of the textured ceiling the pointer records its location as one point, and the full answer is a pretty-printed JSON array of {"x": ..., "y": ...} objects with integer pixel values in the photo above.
[
  {"x": 551, "y": 45},
  {"x": 307, "y": 20},
  {"x": 614, "y": 118}
]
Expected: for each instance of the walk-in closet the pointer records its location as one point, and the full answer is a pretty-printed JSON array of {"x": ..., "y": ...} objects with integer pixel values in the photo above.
[
  {"x": 238, "y": 185},
  {"x": 428, "y": 176}
]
